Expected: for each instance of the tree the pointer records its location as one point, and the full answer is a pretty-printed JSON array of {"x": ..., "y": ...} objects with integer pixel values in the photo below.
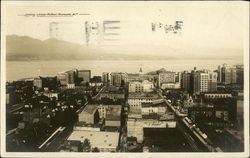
[
  {"x": 86, "y": 145},
  {"x": 96, "y": 149}
]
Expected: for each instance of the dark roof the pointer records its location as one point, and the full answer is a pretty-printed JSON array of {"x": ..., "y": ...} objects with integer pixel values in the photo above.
[
  {"x": 157, "y": 103},
  {"x": 131, "y": 139},
  {"x": 110, "y": 117},
  {"x": 84, "y": 124},
  {"x": 151, "y": 116},
  {"x": 111, "y": 128}
]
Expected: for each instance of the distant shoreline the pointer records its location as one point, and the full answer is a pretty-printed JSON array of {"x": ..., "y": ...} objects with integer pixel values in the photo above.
[{"x": 191, "y": 59}]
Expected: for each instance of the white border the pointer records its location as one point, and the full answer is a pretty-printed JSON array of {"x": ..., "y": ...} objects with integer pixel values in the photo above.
[{"x": 124, "y": 155}]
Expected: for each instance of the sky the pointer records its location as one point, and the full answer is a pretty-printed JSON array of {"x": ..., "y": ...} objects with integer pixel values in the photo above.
[{"x": 208, "y": 27}]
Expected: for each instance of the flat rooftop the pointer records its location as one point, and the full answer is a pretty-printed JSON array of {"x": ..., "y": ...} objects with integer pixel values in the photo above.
[
  {"x": 99, "y": 139},
  {"x": 114, "y": 110},
  {"x": 90, "y": 108}
]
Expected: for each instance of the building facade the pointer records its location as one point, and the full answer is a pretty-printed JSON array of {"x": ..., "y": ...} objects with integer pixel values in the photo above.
[
  {"x": 141, "y": 86},
  {"x": 227, "y": 74},
  {"x": 105, "y": 77},
  {"x": 62, "y": 78},
  {"x": 195, "y": 82},
  {"x": 118, "y": 79},
  {"x": 136, "y": 99},
  {"x": 212, "y": 81},
  {"x": 89, "y": 114},
  {"x": 38, "y": 82},
  {"x": 185, "y": 81},
  {"x": 203, "y": 82},
  {"x": 166, "y": 77},
  {"x": 84, "y": 75}
]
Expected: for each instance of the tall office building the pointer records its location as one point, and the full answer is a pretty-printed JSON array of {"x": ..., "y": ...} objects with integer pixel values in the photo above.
[
  {"x": 118, "y": 79},
  {"x": 38, "y": 82},
  {"x": 68, "y": 77},
  {"x": 212, "y": 81},
  {"x": 195, "y": 82},
  {"x": 219, "y": 74},
  {"x": 227, "y": 74},
  {"x": 240, "y": 74},
  {"x": 166, "y": 77},
  {"x": 233, "y": 75},
  {"x": 84, "y": 75},
  {"x": 105, "y": 77},
  {"x": 71, "y": 76},
  {"x": 178, "y": 77},
  {"x": 185, "y": 81},
  {"x": 203, "y": 81},
  {"x": 61, "y": 77}
]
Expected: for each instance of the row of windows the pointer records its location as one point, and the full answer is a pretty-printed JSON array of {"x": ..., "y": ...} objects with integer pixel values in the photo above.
[
  {"x": 139, "y": 100},
  {"x": 133, "y": 105}
]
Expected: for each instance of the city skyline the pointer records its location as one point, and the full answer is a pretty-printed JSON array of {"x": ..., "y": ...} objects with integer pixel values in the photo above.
[{"x": 134, "y": 106}]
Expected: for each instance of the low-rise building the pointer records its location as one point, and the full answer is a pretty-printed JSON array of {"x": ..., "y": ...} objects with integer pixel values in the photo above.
[
  {"x": 217, "y": 95},
  {"x": 82, "y": 126},
  {"x": 176, "y": 85},
  {"x": 71, "y": 146},
  {"x": 112, "y": 92},
  {"x": 71, "y": 86},
  {"x": 150, "y": 115},
  {"x": 89, "y": 114},
  {"x": 136, "y": 99},
  {"x": 51, "y": 94},
  {"x": 113, "y": 121},
  {"x": 109, "y": 109},
  {"x": 141, "y": 86},
  {"x": 104, "y": 141},
  {"x": 153, "y": 108},
  {"x": 111, "y": 114},
  {"x": 95, "y": 84}
]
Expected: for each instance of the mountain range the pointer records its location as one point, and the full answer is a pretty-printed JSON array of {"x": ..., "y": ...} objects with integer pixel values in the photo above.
[{"x": 27, "y": 48}]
